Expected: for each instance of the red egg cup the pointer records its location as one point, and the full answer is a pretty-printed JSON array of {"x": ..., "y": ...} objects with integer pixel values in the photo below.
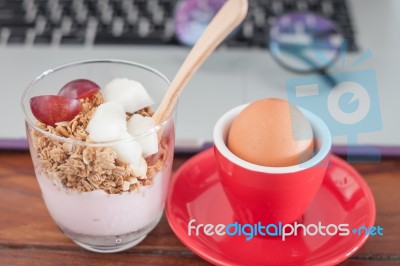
[{"x": 270, "y": 194}]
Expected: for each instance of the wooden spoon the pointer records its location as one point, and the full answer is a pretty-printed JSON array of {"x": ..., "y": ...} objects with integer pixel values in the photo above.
[{"x": 225, "y": 21}]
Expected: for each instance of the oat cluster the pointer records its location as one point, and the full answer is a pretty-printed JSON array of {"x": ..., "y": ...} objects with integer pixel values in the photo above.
[{"x": 87, "y": 168}]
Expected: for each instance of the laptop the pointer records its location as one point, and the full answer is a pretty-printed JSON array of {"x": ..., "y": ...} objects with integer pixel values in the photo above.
[{"x": 36, "y": 35}]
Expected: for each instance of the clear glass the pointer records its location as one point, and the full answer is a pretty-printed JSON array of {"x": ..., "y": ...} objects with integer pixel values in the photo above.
[{"x": 81, "y": 181}]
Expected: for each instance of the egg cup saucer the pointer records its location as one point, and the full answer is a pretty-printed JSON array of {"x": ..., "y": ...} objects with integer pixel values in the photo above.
[{"x": 196, "y": 195}]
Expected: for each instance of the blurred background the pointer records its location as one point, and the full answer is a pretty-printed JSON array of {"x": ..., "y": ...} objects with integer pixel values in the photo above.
[{"x": 296, "y": 50}]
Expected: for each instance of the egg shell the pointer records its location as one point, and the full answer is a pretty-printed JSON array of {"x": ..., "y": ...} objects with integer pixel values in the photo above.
[{"x": 271, "y": 132}]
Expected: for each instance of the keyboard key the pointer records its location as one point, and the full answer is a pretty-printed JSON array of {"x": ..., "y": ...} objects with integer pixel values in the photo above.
[
  {"x": 248, "y": 29},
  {"x": 118, "y": 26},
  {"x": 144, "y": 27},
  {"x": 4, "y": 35},
  {"x": 277, "y": 7}
]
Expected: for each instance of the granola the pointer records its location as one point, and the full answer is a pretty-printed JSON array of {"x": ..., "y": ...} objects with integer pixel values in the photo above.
[{"x": 87, "y": 168}]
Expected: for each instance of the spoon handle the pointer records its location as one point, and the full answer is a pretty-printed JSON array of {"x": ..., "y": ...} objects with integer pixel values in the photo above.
[{"x": 225, "y": 21}]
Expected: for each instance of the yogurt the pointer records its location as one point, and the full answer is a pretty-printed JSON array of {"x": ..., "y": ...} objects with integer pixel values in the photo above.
[{"x": 97, "y": 213}]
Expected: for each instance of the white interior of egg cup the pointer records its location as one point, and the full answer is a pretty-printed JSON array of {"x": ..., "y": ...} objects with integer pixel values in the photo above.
[{"x": 321, "y": 134}]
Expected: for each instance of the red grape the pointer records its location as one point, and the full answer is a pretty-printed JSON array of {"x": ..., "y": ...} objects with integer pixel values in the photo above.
[
  {"x": 79, "y": 89},
  {"x": 50, "y": 109}
]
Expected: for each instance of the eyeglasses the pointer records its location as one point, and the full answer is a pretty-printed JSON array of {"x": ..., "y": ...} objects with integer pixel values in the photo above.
[
  {"x": 301, "y": 42},
  {"x": 305, "y": 42}
]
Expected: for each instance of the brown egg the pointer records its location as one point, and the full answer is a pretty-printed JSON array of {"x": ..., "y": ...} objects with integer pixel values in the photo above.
[{"x": 271, "y": 132}]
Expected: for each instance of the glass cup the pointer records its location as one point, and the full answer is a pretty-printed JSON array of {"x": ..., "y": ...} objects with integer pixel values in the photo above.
[{"x": 99, "y": 201}]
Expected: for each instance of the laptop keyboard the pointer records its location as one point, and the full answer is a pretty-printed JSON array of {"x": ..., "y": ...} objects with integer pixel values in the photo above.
[{"x": 145, "y": 22}]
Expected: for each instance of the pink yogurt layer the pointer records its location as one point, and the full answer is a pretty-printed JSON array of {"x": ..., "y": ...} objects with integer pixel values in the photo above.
[{"x": 100, "y": 214}]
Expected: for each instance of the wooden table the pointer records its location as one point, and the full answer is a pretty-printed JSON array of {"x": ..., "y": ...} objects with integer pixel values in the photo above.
[{"x": 28, "y": 236}]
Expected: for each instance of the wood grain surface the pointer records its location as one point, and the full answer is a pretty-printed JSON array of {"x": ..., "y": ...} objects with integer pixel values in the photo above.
[{"x": 28, "y": 235}]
